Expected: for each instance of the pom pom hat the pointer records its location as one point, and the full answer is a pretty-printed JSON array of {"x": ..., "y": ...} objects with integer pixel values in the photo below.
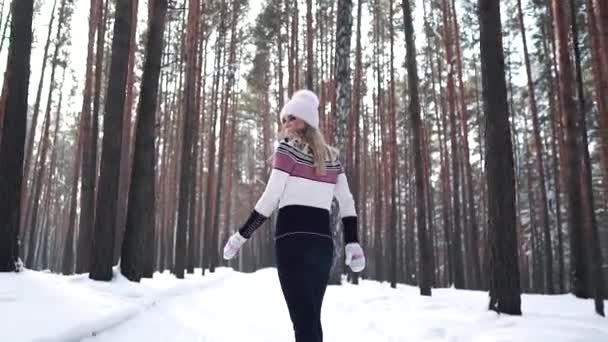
[{"x": 303, "y": 105}]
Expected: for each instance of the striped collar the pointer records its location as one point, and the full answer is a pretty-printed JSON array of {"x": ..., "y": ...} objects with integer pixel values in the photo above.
[{"x": 303, "y": 150}]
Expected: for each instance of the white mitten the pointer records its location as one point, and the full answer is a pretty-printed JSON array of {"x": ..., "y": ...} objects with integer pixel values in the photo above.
[
  {"x": 355, "y": 259},
  {"x": 233, "y": 245}
]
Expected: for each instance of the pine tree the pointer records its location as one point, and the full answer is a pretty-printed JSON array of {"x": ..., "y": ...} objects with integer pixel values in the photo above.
[
  {"x": 424, "y": 268},
  {"x": 502, "y": 239},
  {"x": 13, "y": 115},
  {"x": 140, "y": 223},
  {"x": 107, "y": 196}
]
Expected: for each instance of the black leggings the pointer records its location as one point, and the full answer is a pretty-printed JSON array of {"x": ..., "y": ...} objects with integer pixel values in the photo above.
[{"x": 304, "y": 262}]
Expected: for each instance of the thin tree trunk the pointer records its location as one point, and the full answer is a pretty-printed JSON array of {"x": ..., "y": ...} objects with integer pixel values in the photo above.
[
  {"x": 279, "y": 67},
  {"x": 599, "y": 57},
  {"x": 392, "y": 161},
  {"x": 32, "y": 130},
  {"x": 309, "y": 46},
  {"x": 190, "y": 119},
  {"x": 556, "y": 158},
  {"x": 424, "y": 267},
  {"x": 290, "y": 49},
  {"x": 228, "y": 85},
  {"x": 473, "y": 229},
  {"x": 544, "y": 222},
  {"x": 211, "y": 174},
  {"x": 43, "y": 258},
  {"x": 88, "y": 173},
  {"x": 457, "y": 258},
  {"x": 38, "y": 179}
]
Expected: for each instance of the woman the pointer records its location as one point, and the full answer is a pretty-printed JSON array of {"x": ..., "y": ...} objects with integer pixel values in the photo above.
[{"x": 305, "y": 177}]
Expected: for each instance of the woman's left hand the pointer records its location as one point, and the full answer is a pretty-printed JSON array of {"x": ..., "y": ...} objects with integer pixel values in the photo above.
[{"x": 354, "y": 256}]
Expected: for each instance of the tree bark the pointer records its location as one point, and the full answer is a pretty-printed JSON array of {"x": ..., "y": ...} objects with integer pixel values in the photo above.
[
  {"x": 190, "y": 119},
  {"x": 342, "y": 91},
  {"x": 556, "y": 155},
  {"x": 424, "y": 258},
  {"x": 570, "y": 120},
  {"x": 473, "y": 230},
  {"x": 32, "y": 130},
  {"x": 544, "y": 217},
  {"x": 593, "y": 251},
  {"x": 502, "y": 237},
  {"x": 107, "y": 196},
  {"x": 599, "y": 59},
  {"x": 309, "y": 45},
  {"x": 88, "y": 174},
  {"x": 13, "y": 113},
  {"x": 126, "y": 157},
  {"x": 456, "y": 256},
  {"x": 139, "y": 230},
  {"x": 228, "y": 85}
]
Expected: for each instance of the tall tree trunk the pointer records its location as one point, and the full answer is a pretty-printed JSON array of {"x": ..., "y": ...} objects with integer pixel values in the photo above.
[
  {"x": 211, "y": 187},
  {"x": 353, "y": 147},
  {"x": 190, "y": 119},
  {"x": 342, "y": 89},
  {"x": 392, "y": 161},
  {"x": 99, "y": 68},
  {"x": 290, "y": 50},
  {"x": 544, "y": 217},
  {"x": 43, "y": 259},
  {"x": 502, "y": 237},
  {"x": 139, "y": 230},
  {"x": 593, "y": 251},
  {"x": 194, "y": 228},
  {"x": 468, "y": 195},
  {"x": 228, "y": 85},
  {"x": 570, "y": 117},
  {"x": 126, "y": 157},
  {"x": 13, "y": 113},
  {"x": 204, "y": 198},
  {"x": 32, "y": 130},
  {"x": 309, "y": 45},
  {"x": 38, "y": 176},
  {"x": 424, "y": 267},
  {"x": 555, "y": 154},
  {"x": 29, "y": 198},
  {"x": 88, "y": 174},
  {"x": 599, "y": 59},
  {"x": 105, "y": 218},
  {"x": 538, "y": 281},
  {"x": 456, "y": 257},
  {"x": 296, "y": 46}
]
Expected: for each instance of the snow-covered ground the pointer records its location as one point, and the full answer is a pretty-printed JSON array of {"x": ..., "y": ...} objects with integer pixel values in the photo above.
[{"x": 229, "y": 306}]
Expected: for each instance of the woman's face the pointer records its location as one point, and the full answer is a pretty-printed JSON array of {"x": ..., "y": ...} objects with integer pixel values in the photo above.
[{"x": 292, "y": 124}]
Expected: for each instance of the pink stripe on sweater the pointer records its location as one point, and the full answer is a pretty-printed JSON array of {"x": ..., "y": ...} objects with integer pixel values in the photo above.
[
  {"x": 308, "y": 172},
  {"x": 283, "y": 161},
  {"x": 287, "y": 163}
]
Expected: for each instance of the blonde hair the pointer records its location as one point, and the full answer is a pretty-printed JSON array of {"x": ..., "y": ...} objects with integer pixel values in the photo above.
[{"x": 313, "y": 139}]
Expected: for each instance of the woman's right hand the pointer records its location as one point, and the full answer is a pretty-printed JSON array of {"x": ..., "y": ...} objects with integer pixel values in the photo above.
[
  {"x": 354, "y": 257},
  {"x": 233, "y": 245}
]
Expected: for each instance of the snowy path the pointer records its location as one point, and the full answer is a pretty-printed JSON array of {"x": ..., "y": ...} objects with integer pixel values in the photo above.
[
  {"x": 249, "y": 307},
  {"x": 228, "y": 306}
]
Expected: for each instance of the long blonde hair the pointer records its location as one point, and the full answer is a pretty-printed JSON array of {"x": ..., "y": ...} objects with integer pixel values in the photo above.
[{"x": 312, "y": 138}]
